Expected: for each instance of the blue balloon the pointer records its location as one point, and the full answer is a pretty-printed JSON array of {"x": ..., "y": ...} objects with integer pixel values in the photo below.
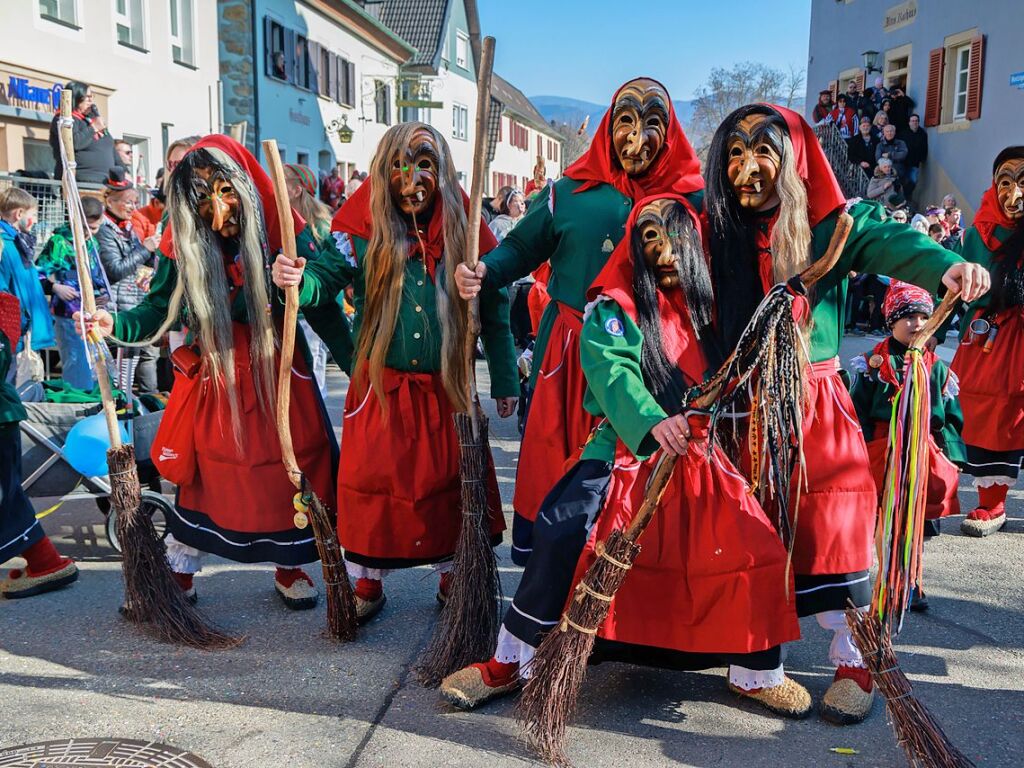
[{"x": 87, "y": 444}]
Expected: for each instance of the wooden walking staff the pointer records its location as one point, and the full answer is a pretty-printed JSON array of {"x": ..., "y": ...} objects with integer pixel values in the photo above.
[
  {"x": 468, "y": 626},
  {"x": 153, "y": 598},
  {"x": 899, "y": 538},
  {"x": 558, "y": 669},
  {"x": 309, "y": 509}
]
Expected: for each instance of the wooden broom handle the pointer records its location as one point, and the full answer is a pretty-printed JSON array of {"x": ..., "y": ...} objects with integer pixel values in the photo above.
[
  {"x": 666, "y": 464},
  {"x": 480, "y": 168},
  {"x": 949, "y": 302},
  {"x": 85, "y": 271},
  {"x": 291, "y": 314}
]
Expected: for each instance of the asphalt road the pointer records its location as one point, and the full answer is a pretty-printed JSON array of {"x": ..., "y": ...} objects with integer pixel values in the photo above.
[{"x": 70, "y": 667}]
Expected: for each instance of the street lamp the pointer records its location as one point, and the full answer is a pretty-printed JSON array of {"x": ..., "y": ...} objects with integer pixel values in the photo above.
[
  {"x": 340, "y": 127},
  {"x": 871, "y": 61}
]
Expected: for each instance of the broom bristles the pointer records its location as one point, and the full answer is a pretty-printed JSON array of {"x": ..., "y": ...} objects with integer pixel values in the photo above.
[
  {"x": 468, "y": 626},
  {"x": 153, "y": 599},
  {"x": 551, "y": 695},
  {"x": 342, "y": 622}
]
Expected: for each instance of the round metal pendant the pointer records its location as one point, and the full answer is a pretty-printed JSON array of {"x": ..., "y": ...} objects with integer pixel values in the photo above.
[
  {"x": 980, "y": 327},
  {"x": 301, "y": 520},
  {"x": 875, "y": 361},
  {"x": 99, "y": 753}
]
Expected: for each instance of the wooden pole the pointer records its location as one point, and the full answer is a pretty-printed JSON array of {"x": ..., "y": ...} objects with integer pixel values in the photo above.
[{"x": 84, "y": 270}]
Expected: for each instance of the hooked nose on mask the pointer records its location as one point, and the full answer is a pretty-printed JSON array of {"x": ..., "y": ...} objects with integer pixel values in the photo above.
[
  {"x": 221, "y": 211},
  {"x": 747, "y": 171}
]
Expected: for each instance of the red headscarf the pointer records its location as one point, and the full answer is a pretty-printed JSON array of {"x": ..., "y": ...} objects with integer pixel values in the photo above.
[
  {"x": 260, "y": 181},
  {"x": 676, "y": 169},
  {"x": 989, "y": 216},
  {"x": 824, "y": 194},
  {"x": 615, "y": 281},
  {"x": 356, "y": 218}
]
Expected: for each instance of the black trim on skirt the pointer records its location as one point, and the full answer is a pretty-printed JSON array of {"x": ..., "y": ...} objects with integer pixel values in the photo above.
[
  {"x": 982, "y": 462},
  {"x": 831, "y": 592},
  {"x": 397, "y": 563}
]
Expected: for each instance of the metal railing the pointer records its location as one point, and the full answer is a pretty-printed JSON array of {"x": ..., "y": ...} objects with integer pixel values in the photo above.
[{"x": 851, "y": 177}]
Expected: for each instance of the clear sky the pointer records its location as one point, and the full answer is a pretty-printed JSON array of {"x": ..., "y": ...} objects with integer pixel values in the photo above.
[{"x": 585, "y": 49}]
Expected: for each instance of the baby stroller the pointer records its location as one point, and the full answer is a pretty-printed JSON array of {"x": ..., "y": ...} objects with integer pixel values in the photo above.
[{"x": 48, "y": 472}]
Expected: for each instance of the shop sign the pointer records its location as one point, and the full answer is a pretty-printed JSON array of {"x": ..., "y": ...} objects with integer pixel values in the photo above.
[
  {"x": 19, "y": 90},
  {"x": 900, "y": 16}
]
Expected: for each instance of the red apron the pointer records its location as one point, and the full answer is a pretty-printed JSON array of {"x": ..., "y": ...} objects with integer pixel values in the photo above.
[
  {"x": 711, "y": 574},
  {"x": 835, "y": 520},
  {"x": 246, "y": 491},
  {"x": 992, "y": 385},
  {"x": 943, "y": 476},
  {"x": 399, "y": 490},
  {"x": 558, "y": 425}
]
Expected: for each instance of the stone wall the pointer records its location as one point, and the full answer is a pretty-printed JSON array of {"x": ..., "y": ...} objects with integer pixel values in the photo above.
[{"x": 237, "y": 66}]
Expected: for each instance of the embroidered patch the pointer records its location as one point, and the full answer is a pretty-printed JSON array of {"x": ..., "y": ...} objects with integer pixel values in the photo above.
[{"x": 614, "y": 327}]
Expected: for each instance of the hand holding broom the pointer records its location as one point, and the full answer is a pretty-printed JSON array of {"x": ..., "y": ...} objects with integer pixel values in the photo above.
[{"x": 341, "y": 607}]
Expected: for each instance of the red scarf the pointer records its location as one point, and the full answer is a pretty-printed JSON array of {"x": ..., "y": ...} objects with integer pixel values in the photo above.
[
  {"x": 675, "y": 171},
  {"x": 989, "y": 216},
  {"x": 355, "y": 218},
  {"x": 260, "y": 180},
  {"x": 123, "y": 224},
  {"x": 88, "y": 121},
  {"x": 616, "y": 282}
]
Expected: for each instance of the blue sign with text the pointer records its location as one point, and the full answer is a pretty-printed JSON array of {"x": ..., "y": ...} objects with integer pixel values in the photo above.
[
  {"x": 1017, "y": 80},
  {"x": 18, "y": 88}
]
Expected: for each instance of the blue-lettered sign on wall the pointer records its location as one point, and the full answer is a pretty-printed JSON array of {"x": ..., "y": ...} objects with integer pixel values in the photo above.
[{"x": 18, "y": 89}]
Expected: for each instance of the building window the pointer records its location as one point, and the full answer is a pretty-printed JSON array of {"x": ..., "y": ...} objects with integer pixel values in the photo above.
[
  {"x": 461, "y": 49},
  {"x": 897, "y": 67},
  {"x": 183, "y": 32},
  {"x": 460, "y": 121},
  {"x": 302, "y": 158},
  {"x": 130, "y": 23},
  {"x": 961, "y": 71},
  {"x": 61, "y": 11},
  {"x": 301, "y": 76},
  {"x": 347, "y": 85},
  {"x": 38, "y": 155},
  {"x": 276, "y": 65},
  {"x": 382, "y": 100}
]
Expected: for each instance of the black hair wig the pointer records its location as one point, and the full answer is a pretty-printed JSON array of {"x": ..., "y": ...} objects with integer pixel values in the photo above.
[{"x": 1007, "y": 271}]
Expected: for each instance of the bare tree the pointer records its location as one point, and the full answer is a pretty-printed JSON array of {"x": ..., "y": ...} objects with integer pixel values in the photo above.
[
  {"x": 575, "y": 139},
  {"x": 794, "y": 85},
  {"x": 727, "y": 89}
]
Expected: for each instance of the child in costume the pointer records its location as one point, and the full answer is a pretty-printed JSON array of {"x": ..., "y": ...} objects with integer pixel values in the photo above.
[
  {"x": 639, "y": 150},
  {"x": 879, "y": 373},
  {"x": 21, "y": 535},
  {"x": 710, "y": 584},
  {"x": 218, "y": 440},
  {"x": 398, "y": 240},
  {"x": 990, "y": 359}
]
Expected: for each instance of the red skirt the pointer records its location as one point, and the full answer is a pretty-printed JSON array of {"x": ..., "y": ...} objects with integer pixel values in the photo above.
[
  {"x": 557, "y": 426},
  {"x": 943, "y": 476},
  {"x": 245, "y": 490},
  {"x": 711, "y": 574},
  {"x": 399, "y": 489},
  {"x": 835, "y": 520},
  {"x": 992, "y": 386}
]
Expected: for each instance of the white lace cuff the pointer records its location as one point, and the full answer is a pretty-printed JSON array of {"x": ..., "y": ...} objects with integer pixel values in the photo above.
[
  {"x": 843, "y": 652},
  {"x": 357, "y": 571},
  {"x": 181, "y": 558},
  {"x": 858, "y": 364},
  {"x": 510, "y": 649},
  {"x": 750, "y": 679},
  {"x": 988, "y": 482}
]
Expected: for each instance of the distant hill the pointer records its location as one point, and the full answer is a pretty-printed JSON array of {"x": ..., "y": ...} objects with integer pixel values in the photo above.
[{"x": 562, "y": 109}]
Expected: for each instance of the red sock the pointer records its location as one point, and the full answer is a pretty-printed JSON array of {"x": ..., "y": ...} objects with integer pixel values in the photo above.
[
  {"x": 43, "y": 558},
  {"x": 497, "y": 673},
  {"x": 992, "y": 498},
  {"x": 860, "y": 675},
  {"x": 446, "y": 582},
  {"x": 369, "y": 589},
  {"x": 184, "y": 580},
  {"x": 288, "y": 576}
]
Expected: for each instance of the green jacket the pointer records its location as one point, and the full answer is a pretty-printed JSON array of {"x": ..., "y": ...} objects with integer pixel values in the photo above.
[
  {"x": 977, "y": 252},
  {"x": 416, "y": 344},
  {"x": 615, "y": 385},
  {"x": 141, "y": 321},
  {"x": 576, "y": 233},
  {"x": 11, "y": 409},
  {"x": 875, "y": 246},
  {"x": 872, "y": 399}
]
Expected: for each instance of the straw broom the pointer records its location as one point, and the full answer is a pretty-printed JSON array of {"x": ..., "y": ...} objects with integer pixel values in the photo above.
[
  {"x": 899, "y": 539},
  {"x": 468, "y": 626},
  {"x": 153, "y": 598},
  {"x": 341, "y": 605},
  {"x": 558, "y": 669}
]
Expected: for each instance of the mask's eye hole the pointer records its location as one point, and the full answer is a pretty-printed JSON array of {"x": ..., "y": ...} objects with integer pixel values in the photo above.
[
  {"x": 736, "y": 151},
  {"x": 651, "y": 235},
  {"x": 425, "y": 164},
  {"x": 626, "y": 119}
]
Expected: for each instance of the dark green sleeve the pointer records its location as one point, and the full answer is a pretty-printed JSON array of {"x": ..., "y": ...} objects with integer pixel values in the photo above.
[
  {"x": 525, "y": 248},
  {"x": 328, "y": 273},
  {"x": 975, "y": 250},
  {"x": 610, "y": 345},
  {"x": 880, "y": 247},
  {"x": 142, "y": 321},
  {"x": 499, "y": 348},
  {"x": 863, "y": 395}
]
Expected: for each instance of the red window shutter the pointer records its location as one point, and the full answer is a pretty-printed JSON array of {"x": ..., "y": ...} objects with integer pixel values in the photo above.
[
  {"x": 833, "y": 88},
  {"x": 860, "y": 80},
  {"x": 933, "y": 93},
  {"x": 974, "y": 77}
]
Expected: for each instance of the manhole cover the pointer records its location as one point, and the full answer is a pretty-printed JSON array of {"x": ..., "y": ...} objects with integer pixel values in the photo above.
[{"x": 98, "y": 753}]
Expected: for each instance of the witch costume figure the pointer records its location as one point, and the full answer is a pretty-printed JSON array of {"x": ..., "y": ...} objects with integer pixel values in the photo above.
[
  {"x": 639, "y": 150},
  {"x": 710, "y": 585},
  {"x": 990, "y": 358},
  {"x": 218, "y": 440},
  {"x": 772, "y": 205},
  {"x": 396, "y": 242}
]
